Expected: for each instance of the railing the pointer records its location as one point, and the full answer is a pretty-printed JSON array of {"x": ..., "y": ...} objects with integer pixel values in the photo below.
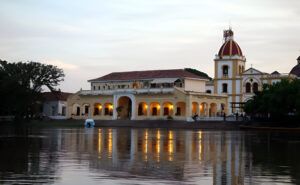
[{"x": 133, "y": 91}]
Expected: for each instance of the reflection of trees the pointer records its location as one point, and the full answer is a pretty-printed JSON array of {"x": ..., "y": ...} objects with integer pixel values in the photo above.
[
  {"x": 26, "y": 158},
  {"x": 276, "y": 154}
]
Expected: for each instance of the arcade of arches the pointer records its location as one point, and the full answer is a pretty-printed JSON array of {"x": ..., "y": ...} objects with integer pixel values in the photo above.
[{"x": 148, "y": 109}]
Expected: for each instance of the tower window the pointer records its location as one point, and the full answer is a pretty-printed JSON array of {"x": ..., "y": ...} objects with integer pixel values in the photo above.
[
  {"x": 224, "y": 88},
  {"x": 248, "y": 87},
  {"x": 225, "y": 70},
  {"x": 208, "y": 91}
]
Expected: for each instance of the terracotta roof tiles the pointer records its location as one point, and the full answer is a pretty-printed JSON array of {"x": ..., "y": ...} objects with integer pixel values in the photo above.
[{"x": 152, "y": 74}]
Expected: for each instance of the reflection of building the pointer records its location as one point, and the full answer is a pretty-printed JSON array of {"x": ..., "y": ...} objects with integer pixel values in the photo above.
[
  {"x": 161, "y": 153},
  {"x": 146, "y": 95},
  {"x": 232, "y": 79}
]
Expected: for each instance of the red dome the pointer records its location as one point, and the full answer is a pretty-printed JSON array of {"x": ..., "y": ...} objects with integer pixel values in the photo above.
[{"x": 230, "y": 48}]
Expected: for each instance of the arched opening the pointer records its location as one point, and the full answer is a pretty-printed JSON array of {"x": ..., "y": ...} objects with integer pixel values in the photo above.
[
  {"x": 203, "y": 109},
  {"x": 168, "y": 109},
  {"x": 154, "y": 109},
  {"x": 223, "y": 110},
  {"x": 224, "y": 88},
  {"x": 180, "y": 109},
  {"x": 76, "y": 109},
  {"x": 97, "y": 109},
  {"x": 208, "y": 91},
  {"x": 213, "y": 110},
  {"x": 225, "y": 70},
  {"x": 195, "y": 108},
  {"x": 255, "y": 86},
  {"x": 124, "y": 108},
  {"x": 135, "y": 85},
  {"x": 86, "y": 109},
  {"x": 142, "y": 109},
  {"x": 248, "y": 87},
  {"x": 108, "y": 109}
]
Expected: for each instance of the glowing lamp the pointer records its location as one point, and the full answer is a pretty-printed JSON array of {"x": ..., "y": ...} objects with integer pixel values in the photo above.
[
  {"x": 110, "y": 107},
  {"x": 171, "y": 106},
  {"x": 158, "y": 106}
]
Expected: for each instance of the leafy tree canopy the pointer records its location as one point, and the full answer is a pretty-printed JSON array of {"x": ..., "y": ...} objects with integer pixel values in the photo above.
[
  {"x": 21, "y": 85},
  {"x": 276, "y": 101},
  {"x": 197, "y": 72}
]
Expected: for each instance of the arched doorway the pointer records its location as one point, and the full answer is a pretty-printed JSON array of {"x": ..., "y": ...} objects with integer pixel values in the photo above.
[
  {"x": 195, "y": 108},
  {"x": 124, "y": 108}
]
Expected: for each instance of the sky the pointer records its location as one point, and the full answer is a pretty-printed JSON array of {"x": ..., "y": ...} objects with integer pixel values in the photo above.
[{"x": 92, "y": 38}]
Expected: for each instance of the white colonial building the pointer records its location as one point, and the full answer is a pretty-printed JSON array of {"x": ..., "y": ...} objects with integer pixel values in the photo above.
[{"x": 233, "y": 80}]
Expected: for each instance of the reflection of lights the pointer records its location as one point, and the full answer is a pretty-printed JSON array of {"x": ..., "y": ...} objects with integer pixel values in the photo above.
[
  {"x": 110, "y": 141},
  {"x": 158, "y": 142},
  {"x": 158, "y": 145},
  {"x": 99, "y": 140},
  {"x": 170, "y": 145},
  {"x": 146, "y": 145},
  {"x": 171, "y": 107},
  {"x": 200, "y": 144}
]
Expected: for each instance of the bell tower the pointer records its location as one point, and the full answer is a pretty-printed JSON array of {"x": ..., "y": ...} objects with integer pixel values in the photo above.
[{"x": 229, "y": 65}]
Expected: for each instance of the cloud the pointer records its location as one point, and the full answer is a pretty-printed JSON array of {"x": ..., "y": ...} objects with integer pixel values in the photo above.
[{"x": 61, "y": 64}]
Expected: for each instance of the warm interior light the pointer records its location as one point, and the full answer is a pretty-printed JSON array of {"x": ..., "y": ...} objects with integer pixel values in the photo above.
[
  {"x": 100, "y": 107},
  {"x": 201, "y": 107},
  {"x": 146, "y": 106},
  {"x": 158, "y": 106},
  {"x": 110, "y": 107},
  {"x": 171, "y": 107}
]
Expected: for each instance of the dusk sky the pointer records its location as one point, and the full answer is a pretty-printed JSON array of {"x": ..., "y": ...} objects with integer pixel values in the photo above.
[{"x": 89, "y": 39}]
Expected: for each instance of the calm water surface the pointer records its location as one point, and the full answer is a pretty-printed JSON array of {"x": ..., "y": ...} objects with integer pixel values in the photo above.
[{"x": 147, "y": 156}]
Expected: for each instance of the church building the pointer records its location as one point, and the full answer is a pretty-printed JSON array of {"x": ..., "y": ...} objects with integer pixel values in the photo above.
[{"x": 233, "y": 79}]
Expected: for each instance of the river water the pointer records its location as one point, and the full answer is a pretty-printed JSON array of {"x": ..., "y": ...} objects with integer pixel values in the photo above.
[{"x": 147, "y": 156}]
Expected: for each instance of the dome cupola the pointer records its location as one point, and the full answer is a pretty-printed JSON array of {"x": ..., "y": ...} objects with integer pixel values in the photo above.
[
  {"x": 296, "y": 69},
  {"x": 230, "y": 47}
]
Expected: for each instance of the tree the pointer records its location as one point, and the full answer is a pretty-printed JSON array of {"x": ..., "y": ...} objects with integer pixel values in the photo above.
[
  {"x": 197, "y": 72},
  {"x": 22, "y": 84},
  {"x": 276, "y": 101}
]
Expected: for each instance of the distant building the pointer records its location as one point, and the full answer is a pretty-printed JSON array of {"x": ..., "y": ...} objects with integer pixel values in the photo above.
[
  {"x": 55, "y": 105},
  {"x": 232, "y": 79},
  {"x": 138, "y": 95},
  {"x": 296, "y": 69}
]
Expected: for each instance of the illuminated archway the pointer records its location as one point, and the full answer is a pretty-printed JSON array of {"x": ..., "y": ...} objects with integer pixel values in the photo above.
[
  {"x": 142, "y": 109},
  {"x": 203, "y": 109},
  {"x": 180, "y": 109},
  {"x": 195, "y": 108},
  {"x": 154, "y": 109},
  {"x": 124, "y": 109},
  {"x": 168, "y": 109},
  {"x": 97, "y": 109},
  {"x": 108, "y": 109},
  {"x": 213, "y": 110}
]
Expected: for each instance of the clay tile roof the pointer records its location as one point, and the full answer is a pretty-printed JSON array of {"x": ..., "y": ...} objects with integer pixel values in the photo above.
[
  {"x": 230, "y": 48},
  {"x": 63, "y": 96},
  {"x": 152, "y": 74}
]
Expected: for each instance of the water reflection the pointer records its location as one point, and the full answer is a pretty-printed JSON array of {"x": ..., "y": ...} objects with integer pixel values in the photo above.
[{"x": 214, "y": 157}]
